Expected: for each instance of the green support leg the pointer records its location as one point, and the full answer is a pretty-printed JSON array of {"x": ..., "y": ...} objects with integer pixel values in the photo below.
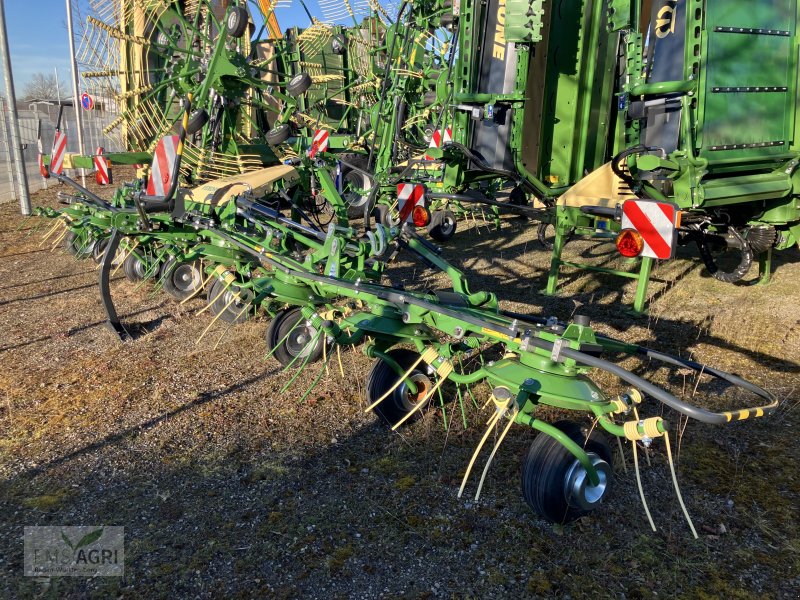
[
  {"x": 555, "y": 260},
  {"x": 641, "y": 285},
  {"x": 764, "y": 267}
]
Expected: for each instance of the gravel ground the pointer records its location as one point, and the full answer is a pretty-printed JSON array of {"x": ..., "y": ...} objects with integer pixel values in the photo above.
[{"x": 228, "y": 487}]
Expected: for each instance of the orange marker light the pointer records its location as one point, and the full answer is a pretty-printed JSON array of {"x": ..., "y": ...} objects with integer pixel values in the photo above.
[
  {"x": 421, "y": 216},
  {"x": 629, "y": 243}
]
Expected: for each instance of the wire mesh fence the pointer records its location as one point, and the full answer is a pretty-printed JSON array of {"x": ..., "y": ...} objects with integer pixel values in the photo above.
[{"x": 38, "y": 121}]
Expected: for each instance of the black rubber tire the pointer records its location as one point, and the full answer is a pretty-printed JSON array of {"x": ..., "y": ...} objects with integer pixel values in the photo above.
[
  {"x": 279, "y": 134},
  {"x": 381, "y": 214},
  {"x": 547, "y": 465},
  {"x": 99, "y": 250},
  {"x": 298, "y": 85},
  {"x": 286, "y": 323},
  {"x": 219, "y": 297},
  {"x": 734, "y": 274},
  {"x": 382, "y": 377},
  {"x": 197, "y": 119},
  {"x": 236, "y": 23},
  {"x": 135, "y": 270},
  {"x": 75, "y": 246},
  {"x": 443, "y": 225},
  {"x": 356, "y": 180},
  {"x": 181, "y": 279}
]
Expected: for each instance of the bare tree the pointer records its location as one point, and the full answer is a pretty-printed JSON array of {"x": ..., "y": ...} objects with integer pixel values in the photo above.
[{"x": 42, "y": 87}]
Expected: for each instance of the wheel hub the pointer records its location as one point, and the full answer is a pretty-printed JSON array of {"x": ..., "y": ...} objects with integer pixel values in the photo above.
[
  {"x": 578, "y": 489},
  {"x": 423, "y": 385},
  {"x": 297, "y": 343}
]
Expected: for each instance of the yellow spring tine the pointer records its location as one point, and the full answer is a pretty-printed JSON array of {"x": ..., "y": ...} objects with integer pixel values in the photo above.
[
  {"x": 339, "y": 358},
  {"x": 51, "y": 231},
  {"x": 428, "y": 356},
  {"x": 59, "y": 238},
  {"x": 202, "y": 286},
  {"x": 443, "y": 373},
  {"x": 400, "y": 380},
  {"x": 125, "y": 257},
  {"x": 492, "y": 421},
  {"x": 494, "y": 451},
  {"x": 419, "y": 405},
  {"x": 218, "y": 296},
  {"x": 225, "y": 332},
  {"x": 214, "y": 320}
]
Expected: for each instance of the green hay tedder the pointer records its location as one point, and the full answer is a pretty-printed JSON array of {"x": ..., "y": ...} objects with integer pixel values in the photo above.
[{"x": 303, "y": 164}]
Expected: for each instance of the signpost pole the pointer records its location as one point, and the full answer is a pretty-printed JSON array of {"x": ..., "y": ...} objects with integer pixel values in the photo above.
[
  {"x": 76, "y": 97},
  {"x": 16, "y": 141}
]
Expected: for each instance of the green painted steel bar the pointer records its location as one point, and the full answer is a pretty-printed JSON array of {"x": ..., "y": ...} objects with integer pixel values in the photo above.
[{"x": 564, "y": 440}]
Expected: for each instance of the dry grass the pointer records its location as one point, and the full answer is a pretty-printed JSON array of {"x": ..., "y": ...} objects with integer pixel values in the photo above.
[{"x": 228, "y": 488}]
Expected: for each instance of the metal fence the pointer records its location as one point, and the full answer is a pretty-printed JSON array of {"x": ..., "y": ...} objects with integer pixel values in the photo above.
[{"x": 40, "y": 119}]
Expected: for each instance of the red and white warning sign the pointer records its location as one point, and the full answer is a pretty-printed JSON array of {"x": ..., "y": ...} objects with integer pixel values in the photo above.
[
  {"x": 163, "y": 163},
  {"x": 438, "y": 138},
  {"x": 319, "y": 143},
  {"x": 57, "y": 155},
  {"x": 409, "y": 195},
  {"x": 656, "y": 222},
  {"x": 42, "y": 168},
  {"x": 102, "y": 168}
]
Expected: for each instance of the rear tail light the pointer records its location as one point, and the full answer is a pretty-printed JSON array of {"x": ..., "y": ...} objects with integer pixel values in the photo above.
[
  {"x": 630, "y": 243},
  {"x": 420, "y": 216}
]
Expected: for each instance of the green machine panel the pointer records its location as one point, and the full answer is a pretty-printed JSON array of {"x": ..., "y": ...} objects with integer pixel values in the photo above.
[{"x": 750, "y": 74}]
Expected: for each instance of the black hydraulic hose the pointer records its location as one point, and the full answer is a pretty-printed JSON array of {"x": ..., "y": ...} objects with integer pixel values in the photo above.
[
  {"x": 695, "y": 412},
  {"x": 601, "y": 211},
  {"x": 271, "y": 213},
  {"x": 479, "y": 162},
  {"x": 97, "y": 200}
]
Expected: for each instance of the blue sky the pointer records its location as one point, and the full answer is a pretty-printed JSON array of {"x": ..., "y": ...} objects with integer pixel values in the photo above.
[{"x": 37, "y": 35}]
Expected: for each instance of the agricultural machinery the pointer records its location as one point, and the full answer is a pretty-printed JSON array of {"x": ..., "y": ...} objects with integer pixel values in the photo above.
[{"x": 445, "y": 106}]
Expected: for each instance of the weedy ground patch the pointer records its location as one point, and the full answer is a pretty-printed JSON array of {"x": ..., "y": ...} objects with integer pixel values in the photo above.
[{"x": 228, "y": 487}]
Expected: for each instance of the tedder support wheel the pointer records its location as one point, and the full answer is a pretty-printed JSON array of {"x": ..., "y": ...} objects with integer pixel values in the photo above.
[
  {"x": 77, "y": 246},
  {"x": 288, "y": 338},
  {"x": 555, "y": 485},
  {"x": 299, "y": 84},
  {"x": 356, "y": 185},
  {"x": 231, "y": 303},
  {"x": 197, "y": 119},
  {"x": 182, "y": 279},
  {"x": 236, "y": 23},
  {"x": 99, "y": 250},
  {"x": 442, "y": 226},
  {"x": 135, "y": 269},
  {"x": 278, "y": 135},
  {"x": 401, "y": 401}
]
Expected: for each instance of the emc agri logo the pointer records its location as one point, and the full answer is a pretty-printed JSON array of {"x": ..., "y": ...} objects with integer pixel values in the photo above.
[{"x": 84, "y": 551}]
